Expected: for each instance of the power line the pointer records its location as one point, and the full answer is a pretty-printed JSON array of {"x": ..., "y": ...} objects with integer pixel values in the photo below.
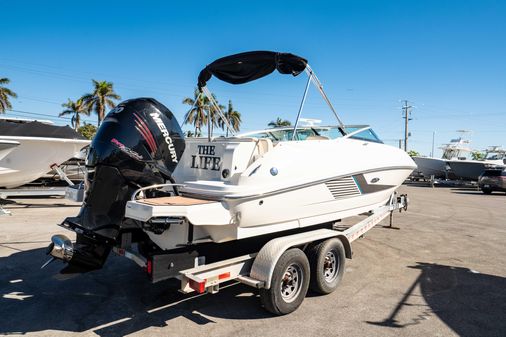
[
  {"x": 122, "y": 82},
  {"x": 21, "y": 98}
]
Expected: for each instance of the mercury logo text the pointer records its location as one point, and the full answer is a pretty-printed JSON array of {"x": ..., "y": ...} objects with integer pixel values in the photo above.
[{"x": 166, "y": 136}]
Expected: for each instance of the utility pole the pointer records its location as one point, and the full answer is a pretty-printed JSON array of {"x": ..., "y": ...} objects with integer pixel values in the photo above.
[
  {"x": 433, "y": 136},
  {"x": 406, "y": 112}
]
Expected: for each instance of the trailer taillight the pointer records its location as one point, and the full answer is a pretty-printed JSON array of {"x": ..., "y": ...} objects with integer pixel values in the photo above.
[
  {"x": 224, "y": 276},
  {"x": 149, "y": 267},
  {"x": 199, "y": 287}
]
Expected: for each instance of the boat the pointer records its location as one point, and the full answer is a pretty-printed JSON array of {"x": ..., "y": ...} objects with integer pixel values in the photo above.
[
  {"x": 150, "y": 186},
  {"x": 40, "y": 145},
  {"x": 6, "y": 147},
  {"x": 495, "y": 157},
  {"x": 457, "y": 149}
]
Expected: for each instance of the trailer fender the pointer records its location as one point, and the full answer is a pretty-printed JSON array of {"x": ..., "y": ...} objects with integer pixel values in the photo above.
[
  {"x": 347, "y": 245},
  {"x": 268, "y": 256}
]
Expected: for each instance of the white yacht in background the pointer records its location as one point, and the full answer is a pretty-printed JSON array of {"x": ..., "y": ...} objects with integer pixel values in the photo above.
[
  {"x": 458, "y": 149},
  {"x": 495, "y": 156},
  {"x": 39, "y": 145}
]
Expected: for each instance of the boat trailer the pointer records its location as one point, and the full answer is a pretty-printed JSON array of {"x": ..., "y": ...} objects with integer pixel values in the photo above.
[{"x": 266, "y": 269}]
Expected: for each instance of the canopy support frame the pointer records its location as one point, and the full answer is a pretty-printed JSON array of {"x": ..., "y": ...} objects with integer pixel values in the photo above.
[
  {"x": 301, "y": 106},
  {"x": 215, "y": 105},
  {"x": 319, "y": 86}
]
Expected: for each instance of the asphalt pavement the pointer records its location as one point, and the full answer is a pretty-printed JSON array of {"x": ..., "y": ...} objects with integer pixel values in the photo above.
[{"x": 441, "y": 271}]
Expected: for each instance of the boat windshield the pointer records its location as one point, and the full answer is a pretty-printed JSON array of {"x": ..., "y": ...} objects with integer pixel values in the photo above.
[
  {"x": 361, "y": 132},
  {"x": 495, "y": 155},
  {"x": 450, "y": 153},
  {"x": 303, "y": 133}
]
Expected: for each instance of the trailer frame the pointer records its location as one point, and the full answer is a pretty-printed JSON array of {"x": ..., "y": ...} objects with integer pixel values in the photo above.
[{"x": 256, "y": 269}]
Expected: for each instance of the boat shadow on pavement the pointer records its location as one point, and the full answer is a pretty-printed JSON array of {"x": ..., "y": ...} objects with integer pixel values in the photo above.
[
  {"x": 118, "y": 299},
  {"x": 32, "y": 202},
  {"x": 470, "y": 303},
  {"x": 114, "y": 301}
]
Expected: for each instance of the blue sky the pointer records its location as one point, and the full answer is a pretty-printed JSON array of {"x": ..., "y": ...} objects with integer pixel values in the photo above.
[{"x": 448, "y": 58}]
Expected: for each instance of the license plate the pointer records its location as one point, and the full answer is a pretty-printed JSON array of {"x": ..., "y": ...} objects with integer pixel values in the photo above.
[{"x": 486, "y": 186}]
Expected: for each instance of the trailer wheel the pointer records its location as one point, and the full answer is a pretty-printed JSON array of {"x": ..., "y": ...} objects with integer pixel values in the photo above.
[
  {"x": 290, "y": 281},
  {"x": 327, "y": 260},
  {"x": 486, "y": 190}
]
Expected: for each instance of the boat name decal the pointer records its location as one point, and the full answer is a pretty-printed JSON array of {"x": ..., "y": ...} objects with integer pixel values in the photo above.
[
  {"x": 206, "y": 159},
  {"x": 166, "y": 135},
  {"x": 126, "y": 149}
]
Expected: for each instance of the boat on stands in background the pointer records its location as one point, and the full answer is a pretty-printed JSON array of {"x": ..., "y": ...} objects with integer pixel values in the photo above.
[
  {"x": 39, "y": 146},
  {"x": 457, "y": 150},
  {"x": 495, "y": 157},
  {"x": 6, "y": 146}
]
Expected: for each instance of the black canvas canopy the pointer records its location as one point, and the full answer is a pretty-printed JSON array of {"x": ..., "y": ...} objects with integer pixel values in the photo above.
[
  {"x": 36, "y": 129},
  {"x": 249, "y": 66}
]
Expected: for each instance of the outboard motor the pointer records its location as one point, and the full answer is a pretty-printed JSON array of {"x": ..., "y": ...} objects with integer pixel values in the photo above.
[{"x": 138, "y": 144}]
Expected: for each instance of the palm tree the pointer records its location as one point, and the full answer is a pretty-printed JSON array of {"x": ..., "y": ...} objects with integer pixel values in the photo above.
[
  {"x": 477, "y": 155},
  {"x": 101, "y": 98},
  {"x": 199, "y": 112},
  {"x": 197, "y": 115},
  {"x": 4, "y": 95},
  {"x": 233, "y": 117},
  {"x": 76, "y": 109},
  {"x": 215, "y": 117},
  {"x": 279, "y": 123}
]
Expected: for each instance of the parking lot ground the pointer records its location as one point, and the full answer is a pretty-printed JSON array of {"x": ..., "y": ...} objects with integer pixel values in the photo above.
[{"x": 442, "y": 273}]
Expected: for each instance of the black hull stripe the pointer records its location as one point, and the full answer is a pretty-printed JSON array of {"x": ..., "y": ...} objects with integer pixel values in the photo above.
[{"x": 317, "y": 182}]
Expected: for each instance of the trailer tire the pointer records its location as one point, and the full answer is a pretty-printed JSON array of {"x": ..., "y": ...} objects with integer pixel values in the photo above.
[
  {"x": 327, "y": 260},
  {"x": 289, "y": 285}
]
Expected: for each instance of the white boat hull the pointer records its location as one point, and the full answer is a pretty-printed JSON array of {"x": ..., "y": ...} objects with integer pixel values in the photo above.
[
  {"x": 472, "y": 169},
  {"x": 315, "y": 188},
  {"x": 6, "y": 147},
  {"x": 431, "y": 166},
  {"x": 34, "y": 157}
]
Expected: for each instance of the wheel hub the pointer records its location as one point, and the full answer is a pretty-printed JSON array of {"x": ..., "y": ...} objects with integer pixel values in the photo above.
[
  {"x": 291, "y": 283},
  {"x": 330, "y": 266}
]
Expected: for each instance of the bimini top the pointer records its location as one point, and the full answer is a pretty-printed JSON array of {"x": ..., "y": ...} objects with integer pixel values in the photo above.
[{"x": 249, "y": 66}]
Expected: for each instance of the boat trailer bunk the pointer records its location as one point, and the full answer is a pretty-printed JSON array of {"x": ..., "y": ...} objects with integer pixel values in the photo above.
[{"x": 282, "y": 269}]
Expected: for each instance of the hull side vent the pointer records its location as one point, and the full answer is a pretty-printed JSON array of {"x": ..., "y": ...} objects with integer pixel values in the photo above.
[{"x": 343, "y": 187}]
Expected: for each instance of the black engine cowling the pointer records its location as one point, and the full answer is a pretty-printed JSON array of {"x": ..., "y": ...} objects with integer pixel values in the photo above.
[{"x": 139, "y": 143}]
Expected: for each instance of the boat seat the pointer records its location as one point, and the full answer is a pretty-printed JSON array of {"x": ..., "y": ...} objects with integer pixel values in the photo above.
[
  {"x": 317, "y": 138},
  {"x": 263, "y": 146}
]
